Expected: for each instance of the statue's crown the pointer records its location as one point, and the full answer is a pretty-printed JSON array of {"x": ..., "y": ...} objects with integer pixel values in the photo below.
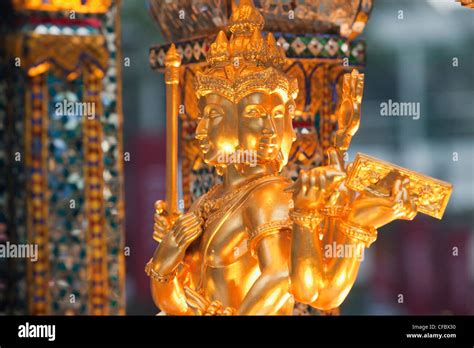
[{"x": 247, "y": 61}]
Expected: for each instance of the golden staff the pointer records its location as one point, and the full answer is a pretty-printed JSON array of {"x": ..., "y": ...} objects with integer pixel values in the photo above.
[{"x": 172, "y": 64}]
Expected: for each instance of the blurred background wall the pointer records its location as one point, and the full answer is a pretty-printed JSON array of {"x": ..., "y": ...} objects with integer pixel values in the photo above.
[{"x": 417, "y": 51}]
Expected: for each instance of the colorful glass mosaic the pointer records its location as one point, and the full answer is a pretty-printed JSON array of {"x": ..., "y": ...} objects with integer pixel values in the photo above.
[
  {"x": 79, "y": 176},
  {"x": 66, "y": 201},
  {"x": 112, "y": 149},
  {"x": 304, "y": 46}
]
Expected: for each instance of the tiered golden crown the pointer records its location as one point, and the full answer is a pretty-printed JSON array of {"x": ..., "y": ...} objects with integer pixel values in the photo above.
[{"x": 247, "y": 62}]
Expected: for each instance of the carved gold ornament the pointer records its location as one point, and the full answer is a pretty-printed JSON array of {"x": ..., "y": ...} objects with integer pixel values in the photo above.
[{"x": 376, "y": 177}]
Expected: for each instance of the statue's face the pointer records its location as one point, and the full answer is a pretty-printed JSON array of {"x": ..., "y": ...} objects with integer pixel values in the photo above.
[
  {"x": 217, "y": 128},
  {"x": 260, "y": 124},
  {"x": 265, "y": 126}
]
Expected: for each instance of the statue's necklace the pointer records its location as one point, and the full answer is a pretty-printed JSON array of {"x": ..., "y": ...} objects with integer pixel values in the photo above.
[{"x": 211, "y": 208}]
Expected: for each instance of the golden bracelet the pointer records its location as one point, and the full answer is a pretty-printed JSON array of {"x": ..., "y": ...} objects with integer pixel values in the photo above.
[
  {"x": 158, "y": 277},
  {"x": 309, "y": 219},
  {"x": 359, "y": 233},
  {"x": 333, "y": 211}
]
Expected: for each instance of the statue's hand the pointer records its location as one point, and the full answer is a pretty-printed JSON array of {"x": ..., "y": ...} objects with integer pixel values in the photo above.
[
  {"x": 348, "y": 114},
  {"x": 403, "y": 206},
  {"x": 319, "y": 186},
  {"x": 172, "y": 249},
  {"x": 202, "y": 306},
  {"x": 379, "y": 211},
  {"x": 163, "y": 221},
  {"x": 186, "y": 230}
]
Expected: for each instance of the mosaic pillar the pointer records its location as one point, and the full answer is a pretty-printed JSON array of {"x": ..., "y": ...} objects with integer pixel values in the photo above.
[{"x": 61, "y": 145}]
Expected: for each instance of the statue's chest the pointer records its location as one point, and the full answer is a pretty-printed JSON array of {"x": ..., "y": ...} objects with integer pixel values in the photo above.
[{"x": 224, "y": 242}]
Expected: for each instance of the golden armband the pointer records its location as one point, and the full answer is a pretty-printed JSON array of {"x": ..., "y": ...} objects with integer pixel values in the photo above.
[
  {"x": 308, "y": 219},
  {"x": 362, "y": 234},
  {"x": 158, "y": 277},
  {"x": 265, "y": 230}
]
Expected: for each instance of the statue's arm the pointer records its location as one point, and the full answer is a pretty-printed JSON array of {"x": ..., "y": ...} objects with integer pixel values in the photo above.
[
  {"x": 319, "y": 275},
  {"x": 330, "y": 234},
  {"x": 167, "y": 279},
  {"x": 170, "y": 297},
  {"x": 168, "y": 268},
  {"x": 271, "y": 289},
  {"x": 269, "y": 242}
]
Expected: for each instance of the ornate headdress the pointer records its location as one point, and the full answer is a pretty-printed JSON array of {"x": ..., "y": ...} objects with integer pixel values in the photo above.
[{"x": 247, "y": 62}]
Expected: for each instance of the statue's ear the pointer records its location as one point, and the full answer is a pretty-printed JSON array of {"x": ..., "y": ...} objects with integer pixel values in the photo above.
[
  {"x": 201, "y": 103},
  {"x": 291, "y": 108},
  {"x": 281, "y": 161}
]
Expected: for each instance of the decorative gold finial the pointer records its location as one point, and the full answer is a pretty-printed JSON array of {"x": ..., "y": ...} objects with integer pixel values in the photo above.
[
  {"x": 173, "y": 58},
  {"x": 219, "y": 50},
  {"x": 172, "y": 63},
  {"x": 246, "y": 19}
]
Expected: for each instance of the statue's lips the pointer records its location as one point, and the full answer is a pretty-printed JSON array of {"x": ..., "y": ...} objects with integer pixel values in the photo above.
[{"x": 267, "y": 146}]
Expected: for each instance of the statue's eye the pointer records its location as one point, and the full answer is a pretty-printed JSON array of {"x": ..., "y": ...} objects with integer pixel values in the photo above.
[
  {"x": 278, "y": 114},
  {"x": 279, "y": 111},
  {"x": 253, "y": 112},
  {"x": 214, "y": 113}
]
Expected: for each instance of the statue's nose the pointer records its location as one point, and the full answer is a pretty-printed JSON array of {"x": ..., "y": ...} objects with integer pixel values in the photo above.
[
  {"x": 201, "y": 129},
  {"x": 268, "y": 131},
  {"x": 201, "y": 135}
]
